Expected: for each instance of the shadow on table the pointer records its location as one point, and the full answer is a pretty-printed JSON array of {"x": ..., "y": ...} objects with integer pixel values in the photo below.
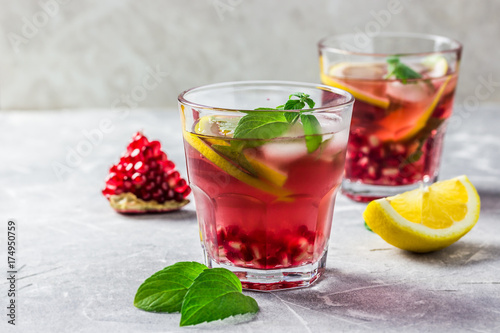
[
  {"x": 178, "y": 215},
  {"x": 362, "y": 299},
  {"x": 458, "y": 254}
]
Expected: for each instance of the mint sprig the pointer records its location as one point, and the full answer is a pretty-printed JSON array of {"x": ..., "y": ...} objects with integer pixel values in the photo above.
[
  {"x": 199, "y": 293},
  {"x": 395, "y": 68},
  {"x": 269, "y": 125}
]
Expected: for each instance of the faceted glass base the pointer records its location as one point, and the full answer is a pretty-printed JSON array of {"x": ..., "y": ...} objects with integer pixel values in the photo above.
[
  {"x": 274, "y": 279},
  {"x": 361, "y": 192}
]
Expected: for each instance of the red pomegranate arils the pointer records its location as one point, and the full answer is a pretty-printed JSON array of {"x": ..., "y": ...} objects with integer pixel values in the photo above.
[{"x": 145, "y": 180}]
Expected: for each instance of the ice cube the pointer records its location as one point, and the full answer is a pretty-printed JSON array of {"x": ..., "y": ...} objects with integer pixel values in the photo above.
[
  {"x": 280, "y": 152},
  {"x": 330, "y": 123},
  {"x": 411, "y": 92},
  {"x": 334, "y": 144},
  {"x": 295, "y": 131}
]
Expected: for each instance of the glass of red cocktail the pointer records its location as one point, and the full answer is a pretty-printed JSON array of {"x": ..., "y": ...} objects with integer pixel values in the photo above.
[
  {"x": 404, "y": 86},
  {"x": 265, "y": 161}
]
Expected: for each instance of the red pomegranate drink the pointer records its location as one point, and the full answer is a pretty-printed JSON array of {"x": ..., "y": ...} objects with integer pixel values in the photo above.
[
  {"x": 404, "y": 87},
  {"x": 265, "y": 161}
]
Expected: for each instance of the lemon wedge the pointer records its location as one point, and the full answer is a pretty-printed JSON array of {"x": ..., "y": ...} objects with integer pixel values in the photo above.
[{"x": 426, "y": 219}]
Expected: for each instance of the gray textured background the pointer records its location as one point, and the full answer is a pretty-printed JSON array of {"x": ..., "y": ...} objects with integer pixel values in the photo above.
[{"x": 95, "y": 53}]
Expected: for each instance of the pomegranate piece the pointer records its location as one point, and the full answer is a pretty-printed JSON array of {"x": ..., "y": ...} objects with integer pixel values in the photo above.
[{"x": 145, "y": 180}]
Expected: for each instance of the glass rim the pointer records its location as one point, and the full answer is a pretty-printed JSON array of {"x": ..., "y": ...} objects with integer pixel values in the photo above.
[
  {"x": 456, "y": 49},
  {"x": 183, "y": 100}
]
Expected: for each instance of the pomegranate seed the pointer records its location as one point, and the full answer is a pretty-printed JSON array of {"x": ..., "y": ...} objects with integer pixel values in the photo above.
[
  {"x": 137, "y": 178},
  {"x": 172, "y": 179},
  {"x": 148, "y": 153},
  {"x": 363, "y": 163},
  {"x": 168, "y": 165},
  {"x": 149, "y": 186},
  {"x": 163, "y": 157},
  {"x": 373, "y": 141},
  {"x": 178, "y": 197},
  {"x": 135, "y": 152},
  {"x": 155, "y": 146},
  {"x": 180, "y": 186},
  {"x": 139, "y": 166},
  {"x": 127, "y": 185}
]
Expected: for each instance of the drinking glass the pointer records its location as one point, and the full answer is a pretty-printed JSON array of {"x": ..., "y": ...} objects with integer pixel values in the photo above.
[
  {"x": 404, "y": 85},
  {"x": 265, "y": 200}
]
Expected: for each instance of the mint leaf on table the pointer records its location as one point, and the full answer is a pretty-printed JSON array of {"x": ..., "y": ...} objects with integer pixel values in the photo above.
[
  {"x": 215, "y": 294},
  {"x": 400, "y": 71},
  {"x": 312, "y": 130},
  {"x": 164, "y": 291}
]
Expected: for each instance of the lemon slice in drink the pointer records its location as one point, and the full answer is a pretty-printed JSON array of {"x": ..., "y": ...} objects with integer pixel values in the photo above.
[
  {"x": 357, "y": 71},
  {"x": 226, "y": 166},
  {"x": 435, "y": 65},
  {"x": 426, "y": 219},
  {"x": 216, "y": 126}
]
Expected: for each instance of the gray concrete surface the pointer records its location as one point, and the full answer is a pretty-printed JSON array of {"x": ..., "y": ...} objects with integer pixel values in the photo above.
[{"x": 80, "y": 263}]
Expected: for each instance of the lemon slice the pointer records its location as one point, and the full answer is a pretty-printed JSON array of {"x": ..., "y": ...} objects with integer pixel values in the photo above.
[
  {"x": 356, "y": 71},
  {"x": 227, "y": 166},
  {"x": 212, "y": 126},
  {"x": 267, "y": 172},
  {"x": 426, "y": 219},
  {"x": 436, "y": 66}
]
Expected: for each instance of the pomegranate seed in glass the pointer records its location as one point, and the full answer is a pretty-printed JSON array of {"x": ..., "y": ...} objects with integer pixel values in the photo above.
[
  {"x": 265, "y": 194},
  {"x": 404, "y": 85}
]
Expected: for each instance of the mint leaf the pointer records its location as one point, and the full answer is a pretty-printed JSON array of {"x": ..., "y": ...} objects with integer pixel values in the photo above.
[
  {"x": 310, "y": 102},
  {"x": 261, "y": 125},
  {"x": 264, "y": 109},
  {"x": 294, "y": 104},
  {"x": 165, "y": 289},
  {"x": 291, "y": 117},
  {"x": 234, "y": 153},
  {"x": 400, "y": 71},
  {"x": 215, "y": 294},
  {"x": 312, "y": 130}
]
